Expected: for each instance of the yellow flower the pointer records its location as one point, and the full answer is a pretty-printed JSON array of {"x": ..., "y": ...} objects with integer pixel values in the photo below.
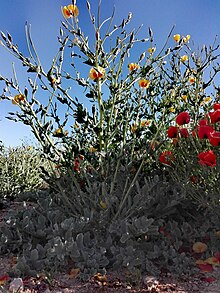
[
  {"x": 70, "y": 11},
  {"x": 53, "y": 80},
  {"x": 133, "y": 66},
  {"x": 134, "y": 127},
  {"x": 76, "y": 126},
  {"x": 145, "y": 123},
  {"x": 103, "y": 205},
  {"x": 176, "y": 37},
  {"x": 144, "y": 83},
  {"x": 92, "y": 149},
  {"x": 186, "y": 38},
  {"x": 172, "y": 110},
  {"x": 192, "y": 79},
  {"x": 17, "y": 99},
  {"x": 207, "y": 99},
  {"x": 184, "y": 98},
  {"x": 151, "y": 50},
  {"x": 199, "y": 247},
  {"x": 184, "y": 58},
  {"x": 96, "y": 73},
  {"x": 60, "y": 133}
]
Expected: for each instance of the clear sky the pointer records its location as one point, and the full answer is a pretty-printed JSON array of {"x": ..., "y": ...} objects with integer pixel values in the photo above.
[{"x": 199, "y": 18}]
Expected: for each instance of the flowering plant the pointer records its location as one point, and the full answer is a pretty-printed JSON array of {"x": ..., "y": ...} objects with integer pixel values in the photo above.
[
  {"x": 132, "y": 102},
  {"x": 195, "y": 155}
]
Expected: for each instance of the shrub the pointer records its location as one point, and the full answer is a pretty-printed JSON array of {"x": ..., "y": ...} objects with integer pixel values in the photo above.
[
  {"x": 20, "y": 170},
  {"x": 109, "y": 185}
]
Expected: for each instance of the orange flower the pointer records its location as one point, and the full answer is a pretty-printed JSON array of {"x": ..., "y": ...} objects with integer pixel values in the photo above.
[
  {"x": 17, "y": 99},
  {"x": 70, "y": 11},
  {"x": 176, "y": 37},
  {"x": 199, "y": 247},
  {"x": 134, "y": 127},
  {"x": 151, "y": 50},
  {"x": 184, "y": 98},
  {"x": 184, "y": 58},
  {"x": 192, "y": 79},
  {"x": 145, "y": 123},
  {"x": 133, "y": 66},
  {"x": 186, "y": 38},
  {"x": 96, "y": 73},
  {"x": 144, "y": 83},
  {"x": 207, "y": 99},
  {"x": 59, "y": 132}
]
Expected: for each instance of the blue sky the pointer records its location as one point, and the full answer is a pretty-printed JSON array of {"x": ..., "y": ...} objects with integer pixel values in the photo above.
[{"x": 199, "y": 18}]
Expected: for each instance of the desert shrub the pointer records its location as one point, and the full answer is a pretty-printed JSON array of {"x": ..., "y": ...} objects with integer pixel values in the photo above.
[
  {"x": 20, "y": 170},
  {"x": 110, "y": 188}
]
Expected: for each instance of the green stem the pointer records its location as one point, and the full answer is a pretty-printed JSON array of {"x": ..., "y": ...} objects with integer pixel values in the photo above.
[
  {"x": 132, "y": 183},
  {"x": 101, "y": 108}
]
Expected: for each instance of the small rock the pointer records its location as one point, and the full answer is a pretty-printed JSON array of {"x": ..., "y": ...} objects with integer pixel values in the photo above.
[
  {"x": 149, "y": 280},
  {"x": 16, "y": 285},
  {"x": 47, "y": 291}
]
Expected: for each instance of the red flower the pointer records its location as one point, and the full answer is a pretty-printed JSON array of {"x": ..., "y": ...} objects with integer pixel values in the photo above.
[
  {"x": 184, "y": 132},
  {"x": 193, "y": 179},
  {"x": 4, "y": 279},
  {"x": 166, "y": 157},
  {"x": 203, "y": 122},
  {"x": 172, "y": 132},
  {"x": 76, "y": 165},
  {"x": 207, "y": 158},
  {"x": 215, "y": 116},
  {"x": 204, "y": 131},
  {"x": 214, "y": 138},
  {"x": 183, "y": 118},
  {"x": 216, "y": 106}
]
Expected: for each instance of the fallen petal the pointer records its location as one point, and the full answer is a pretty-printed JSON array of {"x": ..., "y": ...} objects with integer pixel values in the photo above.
[
  {"x": 213, "y": 261},
  {"x": 199, "y": 247},
  {"x": 206, "y": 268},
  {"x": 209, "y": 279}
]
